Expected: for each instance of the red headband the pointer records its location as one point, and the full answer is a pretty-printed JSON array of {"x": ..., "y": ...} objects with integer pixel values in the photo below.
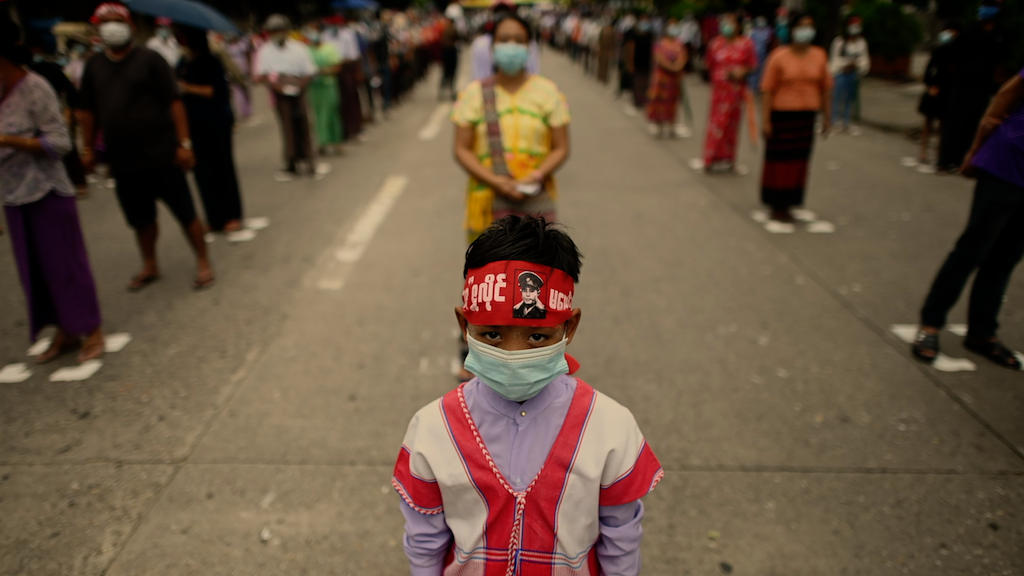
[
  {"x": 517, "y": 293},
  {"x": 110, "y": 8}
]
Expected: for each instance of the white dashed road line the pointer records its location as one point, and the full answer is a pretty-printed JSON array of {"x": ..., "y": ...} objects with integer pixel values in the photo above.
[
  {"x": 344, "y": 258},
  {"x": 437, "y": 120}
]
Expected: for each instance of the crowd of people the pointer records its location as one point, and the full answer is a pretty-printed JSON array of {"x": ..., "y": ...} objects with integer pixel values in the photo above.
[{"x": 150, "y": 112}]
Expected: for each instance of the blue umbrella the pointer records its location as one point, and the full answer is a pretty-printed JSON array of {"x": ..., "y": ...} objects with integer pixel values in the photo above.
[
  {"x": 354, "y": 5},
  {"x": 187, "y": 12}
]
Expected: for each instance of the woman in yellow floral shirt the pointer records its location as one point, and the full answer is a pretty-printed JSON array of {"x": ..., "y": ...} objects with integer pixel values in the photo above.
[{"x": 534, "y": 120}]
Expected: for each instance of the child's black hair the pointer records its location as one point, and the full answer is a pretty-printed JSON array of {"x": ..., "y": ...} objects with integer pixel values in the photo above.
[{"x": 528, "y": 239}]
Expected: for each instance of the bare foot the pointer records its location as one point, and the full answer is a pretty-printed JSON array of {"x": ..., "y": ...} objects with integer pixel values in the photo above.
[
  {"x": 61, "y": 343},
  {"x": 92, "y": 347}
]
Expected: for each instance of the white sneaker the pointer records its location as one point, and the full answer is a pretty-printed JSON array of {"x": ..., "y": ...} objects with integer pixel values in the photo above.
[{"x": 776, "y": 227}]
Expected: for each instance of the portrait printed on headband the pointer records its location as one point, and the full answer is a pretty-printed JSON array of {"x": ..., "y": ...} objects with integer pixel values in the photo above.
[{"x": 530, "y": 303}]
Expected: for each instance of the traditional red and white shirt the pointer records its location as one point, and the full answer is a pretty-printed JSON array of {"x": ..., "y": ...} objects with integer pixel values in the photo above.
[{"x": 599, "y": 458}]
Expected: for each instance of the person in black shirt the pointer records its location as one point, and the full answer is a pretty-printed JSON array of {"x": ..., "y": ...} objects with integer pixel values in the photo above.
[
  {"x": 937, "y": 79},
  {"x": 977, "y": 55},
  {"x": 207, "y": 97},
  {"x": 130, "y": 94},
  {"x": 640, "y": 45}
]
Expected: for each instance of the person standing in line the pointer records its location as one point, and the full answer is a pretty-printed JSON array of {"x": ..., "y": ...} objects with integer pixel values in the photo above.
[
  {"x": 978, "y": 55},
  {"x": 534, "y": 131},
  {"x": 164, "y": 43},
  {"x": 624, "y": 38},
  {"x": 993, "y": 241},
  {"x": 346, "y": 42},
  {"x": 666, "y": 83},
  {"x": 323, "y": 93},
  {"x": 937, "y": 78},
  {"x": 641, "y": 58},
  {"x": 39, "y": 203},
  {"x": 796, "y": 86},
  {"x": 730, "y": 58},
  {"x": 761, "y": 35},
  {"x": 240, "y": 49},
  {"x": 207, "y": 97},
  {"x": 286, "y": 66},
  {"x": 130, "y": 94},
  {"x": 449, "y": 59},
  {"x": 605, "y": 49},
  {"x": 849, "y": 63}
]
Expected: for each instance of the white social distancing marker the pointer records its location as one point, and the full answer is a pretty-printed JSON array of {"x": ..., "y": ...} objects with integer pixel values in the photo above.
[
  {"x": 116, "y": 342},
  {"x": 361, "y": 234},
  {"x": 256, "y": 222},
  {"x": 14, "y": 373},
  {"x": 821, "y": 227},
  {"x": 696, "y": 164},
  {"x": 41, "y": 345},
  {"x": 243, "y": 235},
  {"x": 909, "y": 162},
  {"x": 77, "y": 373},
  {"x": 958, "y": 329},
  {"x": 437, "y": 119},
  {"x": 759, "y": 216},
  {"x": 943, "y": 363}
]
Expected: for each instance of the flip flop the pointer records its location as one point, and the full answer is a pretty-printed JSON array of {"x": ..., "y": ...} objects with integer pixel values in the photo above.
[
  {"x": 140, "y": 282},
  {"x": 926, "y": 346},
  {"x": 199, "y": 285}
]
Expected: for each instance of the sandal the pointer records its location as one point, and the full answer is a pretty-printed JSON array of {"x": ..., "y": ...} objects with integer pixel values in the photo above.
[
  {"x": 926, "y": 346},
  {"x": 203, "y": 283},
  {"x": 995, "y": 351},
  {"x": 141, "y": 281}
]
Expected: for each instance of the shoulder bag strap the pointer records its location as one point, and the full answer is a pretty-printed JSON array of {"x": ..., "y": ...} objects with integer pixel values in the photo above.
[{"x": 494, "y": 143}]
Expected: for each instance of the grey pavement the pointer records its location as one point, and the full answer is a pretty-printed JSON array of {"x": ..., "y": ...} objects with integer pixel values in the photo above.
[{"x": 251, "y": 429}]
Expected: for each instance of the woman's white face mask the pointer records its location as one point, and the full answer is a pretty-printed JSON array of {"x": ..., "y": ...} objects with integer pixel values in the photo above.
[{"x": 115, "y": 34}]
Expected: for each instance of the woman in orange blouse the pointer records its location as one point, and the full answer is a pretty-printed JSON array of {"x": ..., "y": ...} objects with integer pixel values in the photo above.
[{"x": 796, "y": 86}]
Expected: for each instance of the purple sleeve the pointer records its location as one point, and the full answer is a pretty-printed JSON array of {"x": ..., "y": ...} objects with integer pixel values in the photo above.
[
  {"x": 1021, "y": 73},
  {"x": 426, "y": 541},
  {"x": 618, "y": 550}
]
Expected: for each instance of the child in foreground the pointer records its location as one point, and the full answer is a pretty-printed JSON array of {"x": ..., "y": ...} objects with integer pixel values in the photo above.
[{"x": 525, "y": 469}]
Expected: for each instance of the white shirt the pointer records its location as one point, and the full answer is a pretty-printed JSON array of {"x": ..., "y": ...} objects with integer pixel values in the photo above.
[
  {"x": 168, "y": 48},
  {"x": 855, "y": 52},
  {"x": 346, "y": 42},
  {"x": 292, "y": 59}
]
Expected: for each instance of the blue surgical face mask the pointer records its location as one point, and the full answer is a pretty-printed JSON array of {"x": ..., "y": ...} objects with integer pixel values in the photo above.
[
  {"x": 728, "y": 29},
  {"x": 782, "y": 31},
  {"x": 517, "y": 375},
  {"x": 511, "y": 57}
]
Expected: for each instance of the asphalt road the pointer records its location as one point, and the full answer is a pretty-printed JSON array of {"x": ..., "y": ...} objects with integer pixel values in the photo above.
[{"x": 251, "y": 429}]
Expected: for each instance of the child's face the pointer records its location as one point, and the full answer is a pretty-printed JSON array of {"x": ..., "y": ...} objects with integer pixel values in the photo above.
[{"x": 511, "y": 338}]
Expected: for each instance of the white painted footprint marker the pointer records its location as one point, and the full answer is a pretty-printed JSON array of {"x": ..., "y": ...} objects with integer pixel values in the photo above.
[
  {"x": 759, "y": 216},
  {"x": 696, "y": 164},
  {"x": 78, "y": 373},
  {"x": 116, "y": 342},
  {"x": 942, "y": 363},
  {"x": 241, "y": 235},
  {"x": 821, "y": 227},
  {"x": 41, "y": 345},
  {"x": 909, "y": 161},
  {"x": 14, "y": 373},
  {"x": 257, "y": 222},
  {"x": 804, "y": 215}
]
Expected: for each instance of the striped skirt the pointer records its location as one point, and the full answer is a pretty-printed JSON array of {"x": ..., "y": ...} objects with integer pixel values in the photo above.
[{"x": 786, "y": 159}]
